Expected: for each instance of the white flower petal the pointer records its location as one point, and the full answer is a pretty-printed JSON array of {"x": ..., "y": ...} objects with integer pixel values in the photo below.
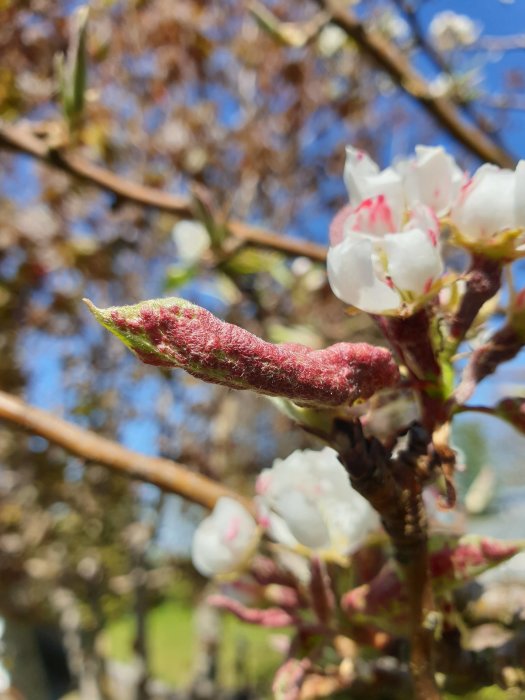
[
  {"x": 303, "y": 518},
  {"x": 364, "y": 180},
  {"x": 313, "y": 503},
  {"x": 224, "y": 539},
  {"x": 431, "y": 178},
  {"x": 414, "y": 262},
  {"x": 352, "y": 276},
  {"x": 519, "y": 214},
  {"x": 191, "y": 239},
  {"x": 487, "y": 204},
  {"x": 279, "y": 531},
  {"x": 358, "y": 166},
  {"x": 350, "y": 522}
]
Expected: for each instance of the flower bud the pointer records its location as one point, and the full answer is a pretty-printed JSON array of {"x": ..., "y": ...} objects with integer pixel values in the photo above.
[
  {"x": 490, "y": 209},
  {"x": 225, "y": 539},
  {"x": 309, "y": 501}
]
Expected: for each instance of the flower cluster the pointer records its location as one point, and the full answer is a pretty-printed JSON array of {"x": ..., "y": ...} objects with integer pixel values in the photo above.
[
  {"x": 450, "y": 30},
  {"x": 385, "y": 249},
  {"x": 304, "y": 502}
]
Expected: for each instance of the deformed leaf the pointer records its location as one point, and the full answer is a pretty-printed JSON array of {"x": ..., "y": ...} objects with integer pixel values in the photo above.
[{"x": 175, "y": 333}]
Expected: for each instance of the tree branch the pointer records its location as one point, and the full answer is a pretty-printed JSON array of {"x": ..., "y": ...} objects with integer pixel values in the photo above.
[
  {"x": 24, "y": 139},
  {"x": 395, "y": 488},
  {"x": 394, "y": 62},
  {"x": 164, "y": 473},
  {"x": 442, "y": 64}
]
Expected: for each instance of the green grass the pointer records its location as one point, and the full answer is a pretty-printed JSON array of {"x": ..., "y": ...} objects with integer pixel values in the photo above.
[{"x": 172, "y": 645}]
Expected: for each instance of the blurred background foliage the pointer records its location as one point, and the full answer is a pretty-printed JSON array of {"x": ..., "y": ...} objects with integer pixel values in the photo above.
[{"x": 222, "y": 96}]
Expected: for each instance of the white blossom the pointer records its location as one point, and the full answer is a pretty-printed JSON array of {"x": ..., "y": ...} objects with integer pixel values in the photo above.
[
  {"x": 377, "y": 264},
  {"x": 393, "y": 26},
  {"x": 331, "y": 39},
  {"x": 307, "y": 499},
  {"x": 449, "y": 30},
  {"x": 491, "y": 202},
  {"x": 225, "y": 539},
  {"x": 191, "y": 240},
  {"x": 431, "y": 177}
]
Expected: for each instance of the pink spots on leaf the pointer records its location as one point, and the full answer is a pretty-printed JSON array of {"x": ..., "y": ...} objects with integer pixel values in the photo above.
[{"x": 187, "y": 336}]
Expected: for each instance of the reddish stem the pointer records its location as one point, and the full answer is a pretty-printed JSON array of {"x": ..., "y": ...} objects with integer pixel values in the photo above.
[{"x": 483, "y": 282}]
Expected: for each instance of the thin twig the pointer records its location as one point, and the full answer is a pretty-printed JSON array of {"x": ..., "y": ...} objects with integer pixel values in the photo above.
[
  {"x": 511, "y": 42},
  {"x": 394, "y": 62},
  {"x": 25, "y": 140},
  {"x": 164, "y": 473},
  {"x": 442, "y": 64}
]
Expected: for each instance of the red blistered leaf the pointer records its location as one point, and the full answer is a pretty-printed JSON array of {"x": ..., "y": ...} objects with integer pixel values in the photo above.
[{"x": 174, "y": 333}]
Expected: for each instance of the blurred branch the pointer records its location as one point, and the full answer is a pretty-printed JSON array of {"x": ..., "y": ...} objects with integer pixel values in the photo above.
[
  {"x": 398, "y": 66},
  {"x": 164, "y": 473},
  {"x": 511, "y": 42},
  {"x": 25, "y": 140},
  {"x": 442, "y": 64},
  {"x": 506, "y": 102},
  {"x": 296, "y": 34}
]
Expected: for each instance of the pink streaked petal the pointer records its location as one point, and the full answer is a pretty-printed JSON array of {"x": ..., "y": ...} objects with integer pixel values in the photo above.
[
  {"x": 488, "y": 204},
  {"x": 374, "y": 215},
  {"x": 337, "y": 227},
  {"x": 425, "y": 219}
]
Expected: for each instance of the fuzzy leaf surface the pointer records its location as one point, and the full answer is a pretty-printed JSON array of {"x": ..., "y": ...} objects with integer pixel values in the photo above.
[{"x": 175, "y": 333}]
